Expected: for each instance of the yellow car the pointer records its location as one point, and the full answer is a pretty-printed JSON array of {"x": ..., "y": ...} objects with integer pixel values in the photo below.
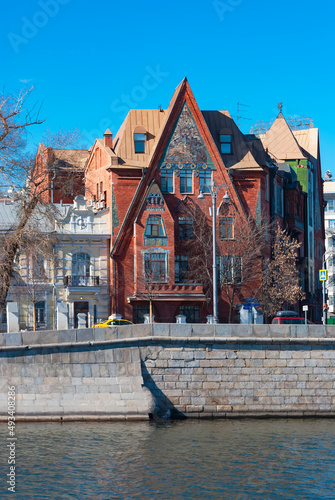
[{"x": 114, "y": 322}]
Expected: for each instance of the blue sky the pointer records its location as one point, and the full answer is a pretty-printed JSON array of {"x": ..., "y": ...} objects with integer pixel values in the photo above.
[{"x": 91, "y": 61}]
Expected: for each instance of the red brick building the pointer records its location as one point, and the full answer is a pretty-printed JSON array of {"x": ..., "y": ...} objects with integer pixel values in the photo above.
[
  {"x": 58, "y": 174},
  {"x": 157, "y": 162},
  {"x": 157, "y": 165}
]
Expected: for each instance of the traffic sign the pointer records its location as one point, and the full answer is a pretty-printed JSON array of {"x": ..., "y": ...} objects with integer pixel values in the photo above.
[{"x": 323, "y": 274}]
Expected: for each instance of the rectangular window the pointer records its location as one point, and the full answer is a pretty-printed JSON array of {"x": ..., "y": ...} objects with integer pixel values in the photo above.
[
  {"x": 186, "y": 181},
  {"x": 139, "y": 312},
  {"x": 205, "y": 181},
  {"x": 192, "y": 313},
  {"x": 155, "y": 267},
  {"x": 139, "y": 143},
  {"x": 185, "y": 225},
  {"x": 332, "y": 224},
  {"x": 330, "y": 205},
  {"x": 279, "y": 201},
  {"x": 181, "y": 269},
  {"x": 226, "y": 227},
  {"x": 167, "y": 181},
  {"x": 40, "y": 312},
  {"x": 230, "y": 269},
  {"x": 154, "y": 226},
  {"x": 225, "y": 144}
]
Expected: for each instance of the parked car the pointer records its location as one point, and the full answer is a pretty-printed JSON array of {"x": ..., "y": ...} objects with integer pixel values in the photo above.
[
  {"x": 289, "y": 318},
  {"x": 114, "y": 322}
]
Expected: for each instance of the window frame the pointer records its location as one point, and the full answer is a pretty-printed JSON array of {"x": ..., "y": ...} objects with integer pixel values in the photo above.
[
  {"x": 139, "y": 142},
  {"x": 205, "y": 188},
  {"x": 194, "y": 312},
  {"x": 230, "y": 279},
  {"x": 228, "y": 228},
  {"x": 181, "y": 269},
  {"x": 225, "y": 143},
  {"x": 184, "y": 176},
  {"x": 159, "y": 224},
  {"x": 165, "y": 176},
  {"x": 76, "y": 263},
  {"x": 38, "y": 313},
  {"x": 162, "y": 261},
  {"x": 186, "y": 228}
]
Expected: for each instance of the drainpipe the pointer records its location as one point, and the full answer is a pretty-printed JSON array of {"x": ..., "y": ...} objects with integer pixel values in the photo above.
[
  {"x": 114, "y": 286},
  {"x": 52, "y": 186}
]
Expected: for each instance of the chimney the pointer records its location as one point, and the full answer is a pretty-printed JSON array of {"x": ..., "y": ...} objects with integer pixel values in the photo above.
[{"x": 108, "y": 139}]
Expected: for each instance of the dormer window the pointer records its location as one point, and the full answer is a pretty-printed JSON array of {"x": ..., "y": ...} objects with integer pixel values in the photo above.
[
  {"x": 139, "y": 139},
  {"x": 225, "y": 144},
  {"x": 139, "y": 143}
]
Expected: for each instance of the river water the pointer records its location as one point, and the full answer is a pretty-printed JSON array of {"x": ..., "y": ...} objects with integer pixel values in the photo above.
[{"x": 221, "y": 459}]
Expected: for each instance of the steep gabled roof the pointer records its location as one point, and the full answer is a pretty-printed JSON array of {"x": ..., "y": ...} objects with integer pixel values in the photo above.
[
  {"x": 308, "y": 140},
  {"x": 280, "y": 142},
  {"x": 74, "y": 159},
  {"x": 220, "y": 122},
  {"x": 149, "y": 121},
  {"x": 181, "y": 95}
]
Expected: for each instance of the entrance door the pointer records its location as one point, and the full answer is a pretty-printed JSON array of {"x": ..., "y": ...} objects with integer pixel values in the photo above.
[{"x": 80, "y": 307}]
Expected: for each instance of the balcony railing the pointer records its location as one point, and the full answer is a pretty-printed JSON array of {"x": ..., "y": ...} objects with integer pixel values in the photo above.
[{"x": 81, "y": 280}]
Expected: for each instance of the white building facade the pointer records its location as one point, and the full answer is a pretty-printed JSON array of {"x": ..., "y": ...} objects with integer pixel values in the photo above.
[
  {"x": 329, "y": 258},
  {"x": 75, "y": 282}
]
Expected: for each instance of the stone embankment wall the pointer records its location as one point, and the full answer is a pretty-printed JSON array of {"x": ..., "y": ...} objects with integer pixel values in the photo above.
[{"x": 169, "y": 369}]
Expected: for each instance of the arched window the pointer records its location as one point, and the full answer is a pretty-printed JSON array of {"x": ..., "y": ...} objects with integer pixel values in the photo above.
[{"x": 81, "y": 264}]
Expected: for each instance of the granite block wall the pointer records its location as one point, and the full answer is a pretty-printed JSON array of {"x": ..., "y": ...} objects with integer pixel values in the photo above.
[
  {"x": 236, "y": 379},
  {"x": 170, "y": 370}
]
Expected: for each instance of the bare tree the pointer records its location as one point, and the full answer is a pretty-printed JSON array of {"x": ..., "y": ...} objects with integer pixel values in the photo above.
[
  {"x": 37, "y": 263},
  {"x": 152, "y": 279},
  {"x": 240, "y": 249},
  {"x": 281, "y": 279},
  {"x": 29, "y": 179}
]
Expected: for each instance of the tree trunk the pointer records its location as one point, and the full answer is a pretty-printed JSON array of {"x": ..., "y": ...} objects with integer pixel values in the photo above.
[
  {"x": 150, "y": 311},
  {"x": 34, "y": 317}
]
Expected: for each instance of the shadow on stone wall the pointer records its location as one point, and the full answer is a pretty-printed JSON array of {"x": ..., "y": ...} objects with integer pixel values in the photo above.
[{"x": 164, "y": 408}]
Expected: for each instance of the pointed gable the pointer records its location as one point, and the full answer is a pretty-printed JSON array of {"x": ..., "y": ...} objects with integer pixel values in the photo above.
[
  {"x": 183, "y": 113},
  {"x": 280, "y": 142},
  {"x": 185, "y": 148}
]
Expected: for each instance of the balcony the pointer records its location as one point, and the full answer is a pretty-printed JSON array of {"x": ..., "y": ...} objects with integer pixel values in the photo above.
[{"x": 81, "y": 280}]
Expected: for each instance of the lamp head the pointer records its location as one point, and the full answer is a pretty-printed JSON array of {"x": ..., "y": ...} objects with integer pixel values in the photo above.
[
  {"x": 201, "y": 195},
  {"x": 226, "y": 198}
]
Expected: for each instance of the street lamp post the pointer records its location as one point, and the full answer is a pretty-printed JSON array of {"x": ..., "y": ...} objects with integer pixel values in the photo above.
[{"x": 213, "y": 191}]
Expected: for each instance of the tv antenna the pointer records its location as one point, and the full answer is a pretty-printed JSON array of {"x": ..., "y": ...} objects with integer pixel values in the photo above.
[{"x": 238, "y": 114}]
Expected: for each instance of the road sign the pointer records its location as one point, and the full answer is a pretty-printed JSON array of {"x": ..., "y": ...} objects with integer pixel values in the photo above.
[
  {"x": 305, "y": 308},
  {"x": 323, "y": 274}
]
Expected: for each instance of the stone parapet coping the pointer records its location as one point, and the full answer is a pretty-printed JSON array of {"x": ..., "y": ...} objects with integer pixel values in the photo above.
[
  {"x": 155, "y": 339},
  {"x": 188, "y": 415},
  {"x": 169, "y": 330}
]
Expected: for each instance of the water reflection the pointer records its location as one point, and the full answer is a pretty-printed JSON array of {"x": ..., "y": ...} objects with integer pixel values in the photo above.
[{"x": 240, "y": 460}]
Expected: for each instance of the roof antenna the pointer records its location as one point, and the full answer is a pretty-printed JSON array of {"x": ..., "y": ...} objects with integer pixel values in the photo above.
[
  {"x": 160, "y": 107},
  {"x": 238, "y": 114}
]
